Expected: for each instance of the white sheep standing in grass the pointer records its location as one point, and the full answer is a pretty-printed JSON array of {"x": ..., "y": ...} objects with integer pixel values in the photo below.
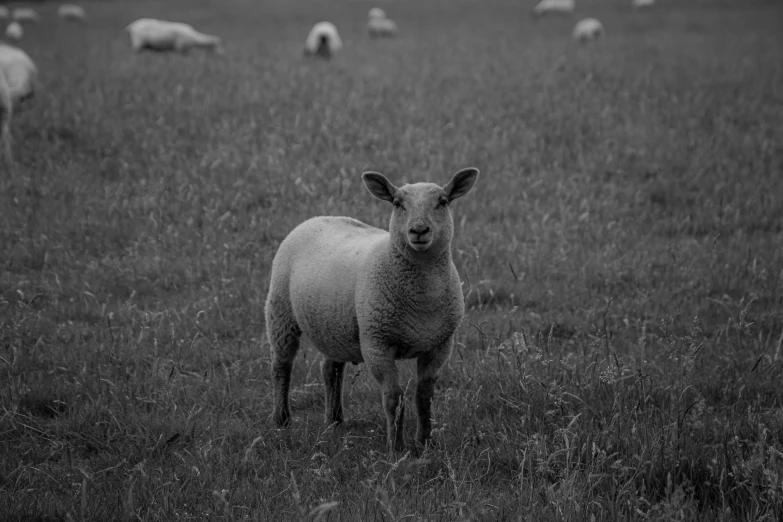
[
  {"x": 71, "y": 12},
  {"x": 638, "y": 4},
  {"x": 14, "y": 31},
  {"x": 380, "y": 27},
  {"x": 4, "y": 13},
  {"x": 554, "y": 6},
  {"x": 26, "y": 14},
  {"x": 160, "y": 35},
  {"x": 588, "y": 29},
  {"x": 17, "y": 83},
  {"x": 323, "y": 40},
  {"x": 362, "y": 294}
]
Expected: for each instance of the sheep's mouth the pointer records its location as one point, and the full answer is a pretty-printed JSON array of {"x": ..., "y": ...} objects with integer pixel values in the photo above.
[{"x": 419, "y": 245}]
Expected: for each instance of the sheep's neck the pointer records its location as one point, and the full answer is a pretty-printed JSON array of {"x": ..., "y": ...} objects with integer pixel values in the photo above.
[{"x": 419, "y": 283}]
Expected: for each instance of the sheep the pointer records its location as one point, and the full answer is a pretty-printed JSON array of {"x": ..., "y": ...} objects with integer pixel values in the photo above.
[
  {"x": 160, "y": 35},
  {"x": 323, "y": 41},
  {"x": 379, "y": 27},
  {"x": 588, "y": 29},
  {"x": 14, "y": 31},
  {"x": 71, "y": 12},
  {"x": 376, "y": 12},
  {"x": 25, "y": 14},
  {"x": 4, "y": 13},
  {"x": 363, "y": 294},
  {"x": 554, "y": 6},
  {"x": 17, "y": 83},
  {"x": 638, "y": 4}
]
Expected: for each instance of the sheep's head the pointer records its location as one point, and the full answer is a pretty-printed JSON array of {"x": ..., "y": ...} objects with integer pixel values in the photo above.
[{"x": 421, "y": 220}]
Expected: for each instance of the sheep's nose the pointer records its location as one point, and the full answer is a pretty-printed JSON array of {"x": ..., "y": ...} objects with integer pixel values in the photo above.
[{"x": 419, "y": 230}]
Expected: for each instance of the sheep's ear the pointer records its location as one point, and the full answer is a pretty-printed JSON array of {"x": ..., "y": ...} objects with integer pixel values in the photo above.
[
  {"x": 379, "y": 186},
  {"x": 461, "y": 183}
]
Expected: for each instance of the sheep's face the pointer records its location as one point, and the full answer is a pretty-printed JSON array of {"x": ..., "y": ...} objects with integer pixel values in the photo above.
[{"x": 421, "y": 219}]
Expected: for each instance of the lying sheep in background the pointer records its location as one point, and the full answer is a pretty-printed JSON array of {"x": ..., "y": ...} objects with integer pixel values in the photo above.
[
  {"x": 25, "y": 14},
  {"x": 380, "y": 27},
  {"x": 362, "y": 294},
  {"x": 160, "y": 35},
  {"x": 17, "y": 83},
  {"x": 4, "y": 13},
  {"x": 638, "y": 4},
  {"x": 554, "y": 6},
  {"x": 14, "y": 31},
  {"x": 71, "y": 12},
  {"x": 323, "y": 41},
  {"x": 588, "y": 29}
]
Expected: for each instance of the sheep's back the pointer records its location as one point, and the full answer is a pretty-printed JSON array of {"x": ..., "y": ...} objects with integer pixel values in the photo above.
[{"x": 318, "y": 263}]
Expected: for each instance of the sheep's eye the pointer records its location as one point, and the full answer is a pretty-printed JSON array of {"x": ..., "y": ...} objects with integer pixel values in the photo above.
[
  {"x": 443, "y": 202},
  {"x": 397, "y": 203}
]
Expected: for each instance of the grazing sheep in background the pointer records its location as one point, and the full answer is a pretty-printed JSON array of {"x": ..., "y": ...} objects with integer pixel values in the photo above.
[
  {"x": 376, "y": 12},
  {"x": 554, "y": 6},
  {"x": 379, "y": 27},
  {"x": 17, "y": 83},
  {"x": 71, "y": 12},
  {"x": 588, "y": 29},
  {"x": 362, "y": 294},
  {"x": 14, "y": 31},
  {"x": 637, "y": 4},
  {"x": 323, "y": 40},
  {"x": 26, "y": 14},
  {"x": 160, "y": 35},
  {"x": 4, "y": 13}
]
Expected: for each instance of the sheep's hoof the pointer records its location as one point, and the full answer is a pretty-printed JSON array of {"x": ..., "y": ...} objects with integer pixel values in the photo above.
[{"x": 280, "y": 418}]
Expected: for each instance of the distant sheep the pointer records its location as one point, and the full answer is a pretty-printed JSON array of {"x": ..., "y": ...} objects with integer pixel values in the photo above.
[
  {"x": 26, "y": 14},
  {"x": 380, "y": 27},
  {"x": 4, "y": 13},
  {"x": 588, "y": 29},
  {"x": 376, "y": 12},
  {"x": 323, "y": 40},
  {"x": 554, "y": 6},
  {"x": 160, "y": 35},
  {"x": 17, "y": 82},
  {"x": 637, "y": 4},
  {"x": 363, "y": 294},
  {"x": 71, "y": 12},
  {"x": 14, "y": 31}
]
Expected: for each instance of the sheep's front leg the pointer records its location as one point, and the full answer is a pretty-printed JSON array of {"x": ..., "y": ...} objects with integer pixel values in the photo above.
[
  {"x": 333, "y": 381},
  {"x": 382, "y": 367},
  {"x": 428, "y": 366}
]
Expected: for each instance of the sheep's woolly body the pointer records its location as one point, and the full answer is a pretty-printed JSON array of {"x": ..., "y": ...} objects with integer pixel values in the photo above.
[
  {"x": 362, "y": 294},
  {"x": 554, "y": 6},
  {"x": 160, "y": 35},
  {"x": 14, "y": 31},
  {"x": 323, "y": 40},
  {"x": 382, "y": 27},
  {"x": 26, "y": 14},
  {"x": 638, "y": 4},
  {"x": 17, "y": 82},
  {"x": 588, "y": 29},
  {"x": 71, "y": 12},
  {"x": 6, "y": 112},
  {"x": 376, "y": 12}
]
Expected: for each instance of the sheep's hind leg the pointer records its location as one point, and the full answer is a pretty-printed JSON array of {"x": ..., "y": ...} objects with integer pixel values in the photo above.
[
  {"x": 428, "y": 366},
  {"x": 333, "y": 381},
  {"x": 384, "y": 370},
  {"x": 284, "y": 334}
]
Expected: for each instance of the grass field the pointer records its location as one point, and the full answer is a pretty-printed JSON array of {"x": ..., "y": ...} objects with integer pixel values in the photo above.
[{"x": 622, "y": 259}]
